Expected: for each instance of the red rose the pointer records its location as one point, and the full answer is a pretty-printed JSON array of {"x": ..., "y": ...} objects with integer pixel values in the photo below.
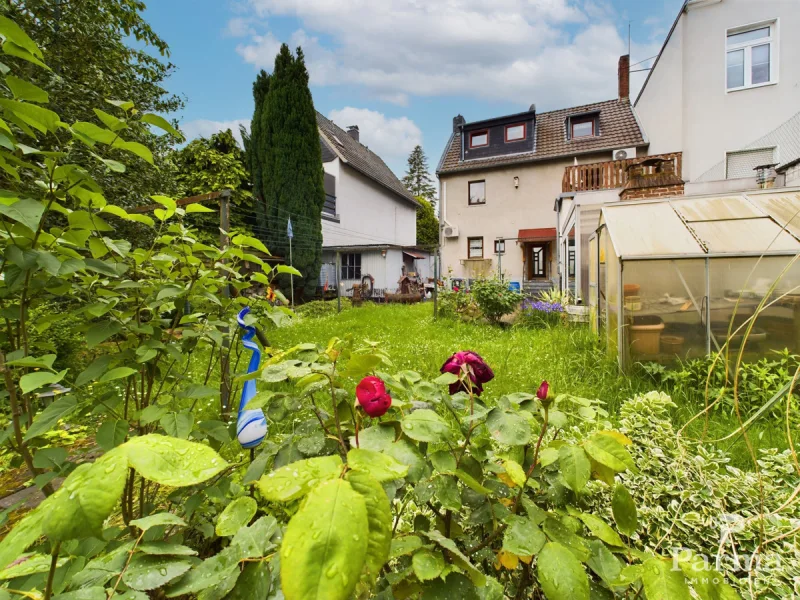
[
  {"x": 479, "y": 371},
  {"x": 541, "y": 393},
  {"x": 373, "y": 397}
]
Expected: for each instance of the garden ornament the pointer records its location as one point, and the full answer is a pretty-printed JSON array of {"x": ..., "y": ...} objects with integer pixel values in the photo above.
[{"x": 251, "y": 425}]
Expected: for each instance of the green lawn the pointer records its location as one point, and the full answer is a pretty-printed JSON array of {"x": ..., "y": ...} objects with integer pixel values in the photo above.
[{"x": 567, "y": 357}]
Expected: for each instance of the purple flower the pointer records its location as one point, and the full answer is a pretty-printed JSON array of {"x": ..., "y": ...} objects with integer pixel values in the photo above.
[
  {"x": 541, "y": 306},
  {"x": 479, "y": 371}
]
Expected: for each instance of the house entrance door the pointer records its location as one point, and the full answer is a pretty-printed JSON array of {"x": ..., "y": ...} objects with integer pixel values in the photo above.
[{"x": 537, "y": 260}]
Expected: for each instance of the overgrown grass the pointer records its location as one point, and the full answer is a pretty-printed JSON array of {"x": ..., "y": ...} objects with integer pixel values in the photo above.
[{"x": 568, "y": 357}]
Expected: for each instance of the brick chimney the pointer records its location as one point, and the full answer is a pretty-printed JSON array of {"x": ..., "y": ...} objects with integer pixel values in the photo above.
[
  {"x": 624, "y": 75},
  {"x": 352, "y": 131},
  {"x": 458, "y": 121}
]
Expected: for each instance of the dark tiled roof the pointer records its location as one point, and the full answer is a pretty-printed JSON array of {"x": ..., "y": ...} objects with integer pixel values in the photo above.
[
  {"x": 362, "y": 158},
  {"x": 618, "y": 129}
]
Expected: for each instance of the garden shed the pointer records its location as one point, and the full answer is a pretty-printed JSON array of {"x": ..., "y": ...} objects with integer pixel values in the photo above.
[{"x": 682, "y": 277}]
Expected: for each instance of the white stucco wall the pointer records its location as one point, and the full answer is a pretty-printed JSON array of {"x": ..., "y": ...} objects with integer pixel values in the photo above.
[
  {"x": 507, "y": 210},
  {"x": 685, "y": 106},
  {"x": 368, "y": 213}
]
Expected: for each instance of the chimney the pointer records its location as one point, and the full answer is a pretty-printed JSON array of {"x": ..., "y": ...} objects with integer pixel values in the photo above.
[
  {"x": 532, "y": 108},
  {"x": 352, "y": 131},
  {"x": 624, "y": 75},
  {"x": 458, "y": 121}
]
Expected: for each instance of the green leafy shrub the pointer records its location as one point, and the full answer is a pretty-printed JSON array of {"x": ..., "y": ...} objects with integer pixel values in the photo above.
[
  {"x": 688, "y": 496},
  {"x": 322, "y": 308},
  {"x": 757, "y": 381},
  {"x": 458, "y": 303},
  {"x": 495, "y": 298}
]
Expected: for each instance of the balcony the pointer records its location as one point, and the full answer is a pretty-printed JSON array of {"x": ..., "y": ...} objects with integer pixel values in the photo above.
[{"x": 611, "y": 174}]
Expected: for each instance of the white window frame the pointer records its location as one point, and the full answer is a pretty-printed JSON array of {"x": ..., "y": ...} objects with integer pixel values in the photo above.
[
  {"x": 726, "y": 155},
  {"x": 772, "y": 40}
]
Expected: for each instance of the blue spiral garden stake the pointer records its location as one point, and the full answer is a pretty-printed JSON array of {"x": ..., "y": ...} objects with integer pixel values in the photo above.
[{"x": 251, "y": 425}]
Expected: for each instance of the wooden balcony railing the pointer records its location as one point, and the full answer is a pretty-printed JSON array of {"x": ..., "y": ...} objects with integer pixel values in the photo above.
[{"x": 609, "y": 175}]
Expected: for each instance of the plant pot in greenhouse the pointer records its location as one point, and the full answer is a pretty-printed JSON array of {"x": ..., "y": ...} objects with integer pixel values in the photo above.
[
  {"x": 646, "y": 334},
  {"x": 631, "y": 289},
  {"x": 672, "y": 344}
]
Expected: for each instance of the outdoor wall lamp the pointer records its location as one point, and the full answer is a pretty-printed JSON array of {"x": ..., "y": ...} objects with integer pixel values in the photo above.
[
  {"x": 516, "y": 182},
  {"x": 383, "y": 253}
]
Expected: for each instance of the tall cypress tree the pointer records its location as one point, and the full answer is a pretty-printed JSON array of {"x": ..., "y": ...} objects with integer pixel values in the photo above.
[
  {"x": 254, "y": 145},
  {"x": 287, "y": 165}
]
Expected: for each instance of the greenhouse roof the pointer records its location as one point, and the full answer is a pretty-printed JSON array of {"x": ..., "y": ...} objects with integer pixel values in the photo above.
[{"x": 751, "y": 223}]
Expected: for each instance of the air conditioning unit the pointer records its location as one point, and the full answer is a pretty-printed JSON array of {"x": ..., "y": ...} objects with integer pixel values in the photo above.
[
  {"x": 450, "y": 231},
  {"x": 623, "y": 153}
]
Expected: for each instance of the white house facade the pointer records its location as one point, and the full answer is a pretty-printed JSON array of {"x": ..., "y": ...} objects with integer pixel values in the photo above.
[
  {"x": 727, "y": 75},
  {"x": 369, "y": 219}
]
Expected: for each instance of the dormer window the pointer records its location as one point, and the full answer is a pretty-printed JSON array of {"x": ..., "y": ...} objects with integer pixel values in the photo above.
[
  {"x": 478, "y": 139},
  {"x": 516, "y": 132},
  {"x": 582, "y": 127}
]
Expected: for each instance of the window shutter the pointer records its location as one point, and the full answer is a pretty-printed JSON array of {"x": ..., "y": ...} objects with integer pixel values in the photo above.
[{"x": 741, "y": 164}]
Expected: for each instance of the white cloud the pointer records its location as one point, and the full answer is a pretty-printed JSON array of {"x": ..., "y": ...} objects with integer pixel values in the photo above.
[
  {"x": 552, "y": 52},
  {"x": 205, "y": 128},
  {"x": 240, "y": 27},
  {"x": 392, "y": 139}
]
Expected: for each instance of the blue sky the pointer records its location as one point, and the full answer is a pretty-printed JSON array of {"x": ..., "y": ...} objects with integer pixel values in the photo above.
[{"x": 402, "y": 69}]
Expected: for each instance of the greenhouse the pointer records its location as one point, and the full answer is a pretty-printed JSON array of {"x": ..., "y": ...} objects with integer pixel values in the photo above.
[{"x": 680, "y": 278}]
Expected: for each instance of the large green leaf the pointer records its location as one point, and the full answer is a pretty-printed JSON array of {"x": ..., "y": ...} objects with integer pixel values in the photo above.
[
  {"x": 24, "y": 533},
  {"x": 50, "y": 416},
  {"x": 601, "y": 530},
  {"x": 609, "y": 452},
  {"x": 165, "y": 549},
  {"x": 147, "y": 572},
  {"x": 295, "y": 480},
  {"x": 575, "y": 467},
  {"x": 39, "y": 379},
  {"x": 39, "y": 118},
  {"x": 111, "y": 434},
  {"x": 28, "y": 212},
  {"x": 706, "y": 581},
  {"x": 603, "y": 562},
  {"x": 624, "y": 509},
  {"x": 425, "y": 426},
  {"x": 523, "y": 537},
  {"x": 86, "y": 498},
  {"x": 404, "y": 545},
  {"x": 325, "y": 544},
  {"x": 100, "y": 332},
  {"x": 236, "y": 515},
  {"x": 427, "y": 564},
  {"x": 379, "y": 520},
  {"x": 24, "y": 90},
  {"x": 161, "y": 123},
  {"x": 253, "y": 583},
  {"x": 662, "y": 582},
  {"x": 14, "y": 33},
  {"x": 146, "y": 523},
  {"x": 173, "y": 462},
  {"x": 177, "y": 424},
  {"x": 508, "y": 428},
  {"x": 561, "y": 575},
  {"x": 458, "y": 557},
  {"x": 377, "y": 465},
  {"x": 454, "y": 586}
]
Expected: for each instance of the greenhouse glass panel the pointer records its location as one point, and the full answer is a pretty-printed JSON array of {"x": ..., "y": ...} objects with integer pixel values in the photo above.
[
  {"x": 593, "y": 288},
  {"x": 612, "y": 299},
  {"x": 766, "y": 291},
  {"x": 664, "y": 309}
]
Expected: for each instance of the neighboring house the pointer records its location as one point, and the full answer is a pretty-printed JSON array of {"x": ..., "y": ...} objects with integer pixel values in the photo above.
[
  {"x": 721, "y": 99},
  {"x": 369, "y": 218},
  {"x": 498, "y": 178},
  {"x": 727, "y": 75}
]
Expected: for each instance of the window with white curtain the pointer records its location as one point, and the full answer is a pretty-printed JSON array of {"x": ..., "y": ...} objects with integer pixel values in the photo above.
[{"x": 751, "y": 56}]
